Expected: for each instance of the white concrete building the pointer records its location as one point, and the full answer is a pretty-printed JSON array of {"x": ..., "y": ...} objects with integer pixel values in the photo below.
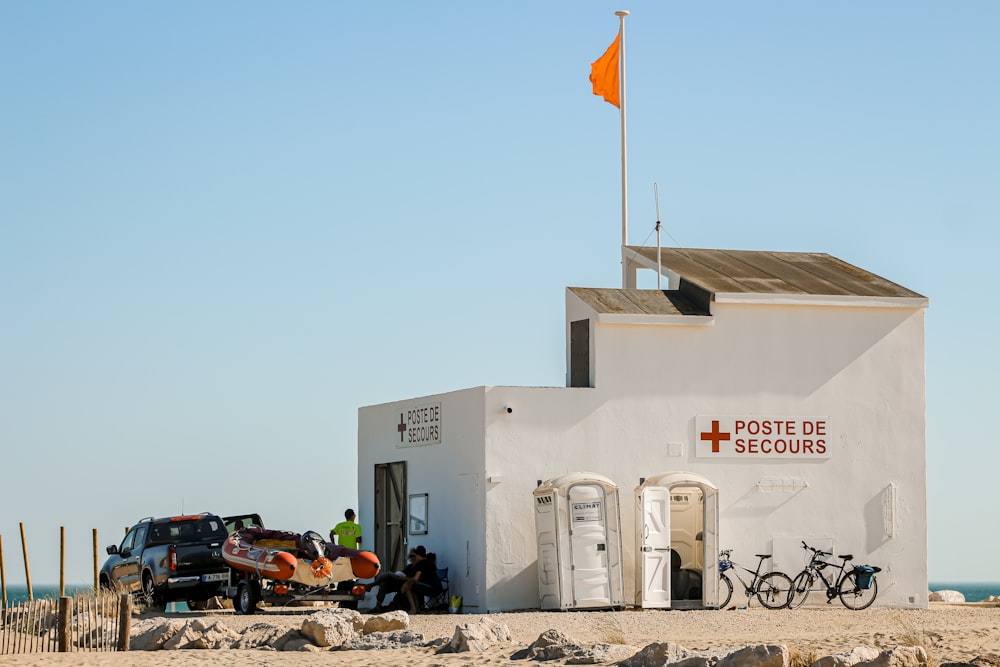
[{"x": 793, "y": 383}]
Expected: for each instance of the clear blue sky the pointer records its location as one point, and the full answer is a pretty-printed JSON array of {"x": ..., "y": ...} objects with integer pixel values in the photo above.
[{"x": 226, "y": 226}]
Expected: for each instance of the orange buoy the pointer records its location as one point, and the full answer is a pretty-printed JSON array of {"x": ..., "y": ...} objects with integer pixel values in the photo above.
[
  {"x": 322, "y": 568},
  {"x": 365, "y": 565}
]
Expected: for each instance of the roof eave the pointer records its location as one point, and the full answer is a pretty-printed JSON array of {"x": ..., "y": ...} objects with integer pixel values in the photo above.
[
  {"x": 630, "y": 318},
  {"x": 822, "y": 300}
]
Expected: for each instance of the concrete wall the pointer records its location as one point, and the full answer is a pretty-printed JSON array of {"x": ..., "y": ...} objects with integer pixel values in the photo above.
[
  {"x": 861, "y": 368},
  {"x": 451, "y": 473}
]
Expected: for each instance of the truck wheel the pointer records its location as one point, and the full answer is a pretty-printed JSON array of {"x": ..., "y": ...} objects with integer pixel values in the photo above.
[
  {"x": 246, "y": 598},
  {"x": 149, "y": 595}
]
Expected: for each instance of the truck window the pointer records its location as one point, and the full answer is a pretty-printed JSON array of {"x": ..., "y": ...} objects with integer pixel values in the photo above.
[
  {"x": 127, "y": 543},
  {"x": 159, "y": 534},
  {"x": 212, "y": 528},
  {"x": 165, "y": 533},
  {"x": 140, "y": 536}
]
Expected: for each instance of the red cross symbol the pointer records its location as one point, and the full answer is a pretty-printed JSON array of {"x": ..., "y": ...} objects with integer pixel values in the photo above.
[
  {"x": 715, "y": 435},
  {"x": 401, "y": 427}
]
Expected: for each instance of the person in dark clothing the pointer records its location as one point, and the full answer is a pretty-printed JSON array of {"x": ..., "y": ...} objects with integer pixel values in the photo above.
[
  {"x": 391, "y": 582},
  {"x": 423, "y": 583}
]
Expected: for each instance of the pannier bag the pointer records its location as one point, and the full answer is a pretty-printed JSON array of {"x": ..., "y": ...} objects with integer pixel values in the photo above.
[
  {"x": 724, "y": 565},
  {"x": 864, "y": 574}
]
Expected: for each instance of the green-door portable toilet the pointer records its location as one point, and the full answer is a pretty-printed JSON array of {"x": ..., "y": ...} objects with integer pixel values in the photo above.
[{"x": 578, "y": 531}]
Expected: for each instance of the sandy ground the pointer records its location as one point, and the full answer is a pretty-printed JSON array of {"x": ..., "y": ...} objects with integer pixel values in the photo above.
[{"x": 949, "y": 632}]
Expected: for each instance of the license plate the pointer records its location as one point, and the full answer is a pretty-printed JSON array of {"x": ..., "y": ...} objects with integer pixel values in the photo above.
[{"x": 218, "y": 576}]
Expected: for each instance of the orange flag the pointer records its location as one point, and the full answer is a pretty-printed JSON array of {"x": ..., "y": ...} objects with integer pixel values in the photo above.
[{"x": 604, "y": 73}]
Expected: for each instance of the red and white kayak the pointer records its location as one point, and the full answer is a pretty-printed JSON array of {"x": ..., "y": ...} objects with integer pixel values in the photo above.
[{"x": 266, "y": 553}]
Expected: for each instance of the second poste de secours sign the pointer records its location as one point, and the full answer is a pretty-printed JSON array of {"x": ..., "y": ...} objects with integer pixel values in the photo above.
[{"x": 756, "y": 436}]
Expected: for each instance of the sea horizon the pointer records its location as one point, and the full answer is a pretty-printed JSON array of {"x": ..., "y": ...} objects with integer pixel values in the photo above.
[{"x": 974, "y": 591}]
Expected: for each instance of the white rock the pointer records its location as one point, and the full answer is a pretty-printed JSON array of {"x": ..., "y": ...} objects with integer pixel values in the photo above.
[
  {"x": 901, "y": 656},
  {"x": 328, "y": 629},
  {"x": 479, "y": 636},
  {"x": 848, "y": 659},
  {"x": 761, "y": 655},
  {"x": 387, "y": 622},
  {"x": 946, "y": 596}
]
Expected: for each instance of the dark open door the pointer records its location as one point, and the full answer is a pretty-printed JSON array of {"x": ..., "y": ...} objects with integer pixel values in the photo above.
[{"x": 390, "y": 515}]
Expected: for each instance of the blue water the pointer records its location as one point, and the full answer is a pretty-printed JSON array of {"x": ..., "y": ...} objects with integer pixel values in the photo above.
[
  {"x": 973, "y": 591},
  {"x": 16, "y": 594}
]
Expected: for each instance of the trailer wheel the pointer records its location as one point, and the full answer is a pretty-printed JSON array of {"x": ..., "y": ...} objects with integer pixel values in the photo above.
[{"x": 247, "y": 596}]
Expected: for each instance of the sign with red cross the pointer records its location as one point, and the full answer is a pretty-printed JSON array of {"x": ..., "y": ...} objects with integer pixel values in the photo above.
[
  {"x": 760, "y": 436},
  {"x": 419, "y": 425}
]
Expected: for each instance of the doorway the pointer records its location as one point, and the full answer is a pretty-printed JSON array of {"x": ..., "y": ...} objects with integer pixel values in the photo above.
[
  {"x": 390, "y": 515},
  {"x": 677, "y": 522}
]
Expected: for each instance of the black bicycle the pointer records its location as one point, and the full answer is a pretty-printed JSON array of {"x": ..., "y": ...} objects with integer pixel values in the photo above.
[
  {"x": 771, "y": 588},
  {"x": 856, "y": 586}
]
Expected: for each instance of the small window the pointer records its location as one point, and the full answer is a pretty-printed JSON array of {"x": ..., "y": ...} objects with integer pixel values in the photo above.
[
  {"x": 418, "y": 514},
  {"x": 579, "y": 353}
]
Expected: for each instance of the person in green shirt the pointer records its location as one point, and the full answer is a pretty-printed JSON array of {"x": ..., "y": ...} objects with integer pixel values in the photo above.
[{"x": 347, "y": 533}]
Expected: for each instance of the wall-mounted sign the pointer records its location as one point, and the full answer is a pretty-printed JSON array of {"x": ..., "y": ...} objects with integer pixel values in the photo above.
[
  {"x": 759, "y": 436},
  {"x": 586, "y": 512},
  {"x": 420, "y": 425}
]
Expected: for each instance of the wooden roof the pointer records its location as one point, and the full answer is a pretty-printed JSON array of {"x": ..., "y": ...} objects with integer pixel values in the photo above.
[
  {"x": 748, "y": 276},
  {"x": 762, "y": 272}
]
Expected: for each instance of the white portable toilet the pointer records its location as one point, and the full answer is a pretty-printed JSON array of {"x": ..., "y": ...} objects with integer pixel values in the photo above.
[
  {"x": 578, "y": 530},
  {"x": 677, "y": 545}
]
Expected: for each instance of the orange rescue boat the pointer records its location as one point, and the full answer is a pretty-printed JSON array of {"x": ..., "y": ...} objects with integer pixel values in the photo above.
[
  {"x": 287, "y": 556},
  {"x": 267, "y": 553}
]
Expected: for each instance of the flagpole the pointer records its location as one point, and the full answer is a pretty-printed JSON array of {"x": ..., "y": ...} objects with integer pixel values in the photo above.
[{"x": 621, "y": 95}]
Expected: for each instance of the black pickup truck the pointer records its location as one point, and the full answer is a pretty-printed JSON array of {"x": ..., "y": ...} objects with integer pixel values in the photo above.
[{"x": 169, "y": 559}]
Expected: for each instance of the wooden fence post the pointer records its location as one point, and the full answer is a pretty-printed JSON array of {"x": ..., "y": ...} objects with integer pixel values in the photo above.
[
  {"x": 96, "y": 582},
  {"x": 62, "y": 632},
  {"x": 62, "y": 561},
  {"x": 27, "y": 569},
  {"x": 3, "y": 576},
  {"x": 124, "y": 620}
]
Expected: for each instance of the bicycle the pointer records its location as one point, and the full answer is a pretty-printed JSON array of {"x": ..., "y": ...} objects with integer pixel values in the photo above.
[
  {"x": 773, "y": 589},
  {"x": 856, "y": 587}
]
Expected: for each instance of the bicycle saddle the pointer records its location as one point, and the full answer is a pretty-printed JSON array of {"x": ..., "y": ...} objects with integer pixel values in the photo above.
[
  {"x": 847, "y": 556},
  {"x": 762, "y": 555}
]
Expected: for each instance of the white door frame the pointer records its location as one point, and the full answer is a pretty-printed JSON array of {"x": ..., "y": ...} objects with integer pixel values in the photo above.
[{"x": 647, "y": 595}]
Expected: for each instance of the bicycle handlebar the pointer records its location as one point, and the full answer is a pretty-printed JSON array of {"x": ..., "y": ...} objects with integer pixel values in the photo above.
[{"x": 816, "y": 552}]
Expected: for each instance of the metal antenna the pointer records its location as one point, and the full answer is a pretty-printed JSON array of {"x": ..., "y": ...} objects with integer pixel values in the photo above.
[{"x": 659, "y": 270}]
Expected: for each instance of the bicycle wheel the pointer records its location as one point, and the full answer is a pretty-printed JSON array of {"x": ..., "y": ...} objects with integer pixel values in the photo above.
[
  {"x": 725, "y": 590},
  {"x": 774, "y": 590},
  {"x": 854, "y": 597},
  {"x": 801, "y": 586}
]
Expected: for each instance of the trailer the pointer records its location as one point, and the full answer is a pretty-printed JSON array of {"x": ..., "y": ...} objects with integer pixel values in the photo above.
[{"x": 247, "y": 590}]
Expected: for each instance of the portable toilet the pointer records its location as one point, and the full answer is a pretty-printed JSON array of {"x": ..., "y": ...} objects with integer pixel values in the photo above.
[
  {"x": 578, "y": 530},
  {"x": 677, "y": 528}
]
